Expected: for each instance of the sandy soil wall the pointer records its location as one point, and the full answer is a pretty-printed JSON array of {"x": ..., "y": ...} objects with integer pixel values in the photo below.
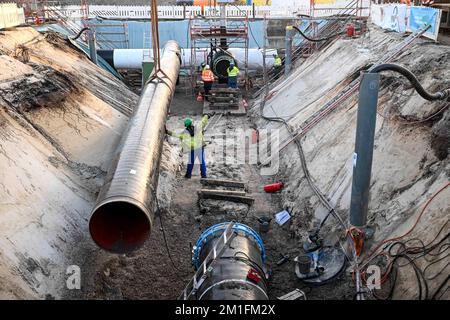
[
  {"x": 411, "y": 159},
  {"x": 58, "y": 131}
]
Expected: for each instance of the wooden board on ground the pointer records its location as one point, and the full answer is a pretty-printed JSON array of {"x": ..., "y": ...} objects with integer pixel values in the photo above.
[
  {"x": 223, "y": 192},
  {"x": 224, "y": 197},
  {"x": 223, "y": 183},
  {"x": 239, "y": 111}
]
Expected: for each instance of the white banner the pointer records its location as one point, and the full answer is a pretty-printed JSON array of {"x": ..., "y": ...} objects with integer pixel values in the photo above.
[
  {"x": 390, "y": 17},
  {"x": 11, "y": 15}
]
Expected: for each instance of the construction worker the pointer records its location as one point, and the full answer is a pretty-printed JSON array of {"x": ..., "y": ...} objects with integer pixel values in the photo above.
[
  {"x": 277, "y": 65},
  {"x": 193, "y": 143},
  {"x": 208, "y": 79},
  {"x": 233, "y": 73},
  {"x": 202, "y": 66}
]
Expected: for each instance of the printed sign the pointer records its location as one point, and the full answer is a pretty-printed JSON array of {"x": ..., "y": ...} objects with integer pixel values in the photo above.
[
  {"x": 390, "y": 17},
  {"x": 395, "y": 18},
  {"x": 421, "y": 16}
]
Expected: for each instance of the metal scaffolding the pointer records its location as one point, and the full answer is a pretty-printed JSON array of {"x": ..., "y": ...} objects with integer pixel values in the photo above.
[{"x": 214, "y": 34}]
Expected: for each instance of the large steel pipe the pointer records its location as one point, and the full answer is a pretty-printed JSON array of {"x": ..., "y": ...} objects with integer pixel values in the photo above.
[
  {"x": 133, "y": 58},
  {"x": 122, "y": 217},
  {"x": 240, "y": 273}
]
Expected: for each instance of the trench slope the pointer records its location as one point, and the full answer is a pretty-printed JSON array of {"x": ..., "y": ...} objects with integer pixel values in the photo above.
[
  {"x": 61, "y": 118},
  {"x": 411, "y": 160}
]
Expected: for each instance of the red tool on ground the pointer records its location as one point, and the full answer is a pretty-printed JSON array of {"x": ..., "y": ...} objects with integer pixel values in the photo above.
[{"x": 274, "y": 187}]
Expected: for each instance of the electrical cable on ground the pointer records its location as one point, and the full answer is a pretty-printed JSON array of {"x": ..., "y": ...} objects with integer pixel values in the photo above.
[
  {"x": 369, "y": 257},
  {"x": 308, "y": 177},
  {"x": 316, "y": 190},
  {"x": 159, "y": 213},
  {"x": 411, "y": 254}
]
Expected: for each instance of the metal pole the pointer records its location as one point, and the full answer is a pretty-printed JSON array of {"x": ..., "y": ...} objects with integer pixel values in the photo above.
[
  {"x": 288, "y": 52},
  {"x": 265, "y": 77},
  {"x": 362, "y": 158},
  {"x": 92, "y": 46}
]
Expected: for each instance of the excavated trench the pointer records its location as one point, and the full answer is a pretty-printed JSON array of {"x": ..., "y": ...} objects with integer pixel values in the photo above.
[{"x": 61, "y": 119}]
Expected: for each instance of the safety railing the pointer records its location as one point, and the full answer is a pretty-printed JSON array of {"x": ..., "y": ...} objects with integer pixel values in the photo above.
[{"x": 186, "y": 12}]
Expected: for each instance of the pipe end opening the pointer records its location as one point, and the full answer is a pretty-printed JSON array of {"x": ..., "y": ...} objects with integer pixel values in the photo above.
[{"x": 119, "y": 227}]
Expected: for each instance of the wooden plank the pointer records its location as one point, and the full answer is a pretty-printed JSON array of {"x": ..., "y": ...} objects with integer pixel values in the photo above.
[
  {"x": 224, "y": 183},
  {"x": 225, "y": 90},
  {"x": 217, "y": 196},
  {"x": 223, "y": 99},
  {"x": 224, "y": 105},
  {"x": 224, "y": 192}
]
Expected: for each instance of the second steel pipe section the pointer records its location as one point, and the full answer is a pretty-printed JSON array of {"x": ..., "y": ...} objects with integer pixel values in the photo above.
[{"x": 122, "y": 217}]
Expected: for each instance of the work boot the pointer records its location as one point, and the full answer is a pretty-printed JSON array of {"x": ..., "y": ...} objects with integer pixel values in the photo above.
[
  {"x": 187, "y": 176},
  {"x": 204, "y": 177}
]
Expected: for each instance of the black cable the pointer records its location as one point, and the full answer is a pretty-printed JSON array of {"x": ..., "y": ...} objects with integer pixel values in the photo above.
[
  {"x": 80, "y": 33},
  {"x": 317, "y": 40},
  {"x": 421, "y": 281},
  {"x": 159, "y": 211},
  {"x": 438, "y": 273},
  {"x": 316, "y": 190},
  {"x": 253, "y": 37},
  {"x": 392, "y": 283},
  {"x": 441, "y": 95},
  {"x": 412, "y": 253},
  {"x": 433, "y": 297}
]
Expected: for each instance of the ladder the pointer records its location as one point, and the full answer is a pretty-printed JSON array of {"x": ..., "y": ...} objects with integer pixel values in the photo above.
[
  {"x": 147, "y": 44},
  {"x": 346, "y": 92},
  {"x": 111, "y": 36},
  {"x": 207, "y": 265}
]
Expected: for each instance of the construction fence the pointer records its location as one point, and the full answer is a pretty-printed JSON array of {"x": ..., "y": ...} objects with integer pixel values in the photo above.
[{"x": 11, "y": 15}]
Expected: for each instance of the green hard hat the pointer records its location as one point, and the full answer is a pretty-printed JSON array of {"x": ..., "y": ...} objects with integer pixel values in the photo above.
[{"x": 187, "y": 122}]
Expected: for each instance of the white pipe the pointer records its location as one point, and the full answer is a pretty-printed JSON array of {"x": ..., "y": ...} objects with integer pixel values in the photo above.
[{"x": 133, "y": 58}]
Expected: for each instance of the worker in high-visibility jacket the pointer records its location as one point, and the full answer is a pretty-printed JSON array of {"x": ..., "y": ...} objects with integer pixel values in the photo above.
[
  {"x": 233, "y": 73},
  {"x": 193, "y": 143},
  {"x": 277, "y": 64},
  {"x": 208, "y": 79}
]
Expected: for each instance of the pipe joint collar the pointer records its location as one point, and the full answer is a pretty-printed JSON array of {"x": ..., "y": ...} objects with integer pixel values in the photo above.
[{"x": 218, "y": 229}]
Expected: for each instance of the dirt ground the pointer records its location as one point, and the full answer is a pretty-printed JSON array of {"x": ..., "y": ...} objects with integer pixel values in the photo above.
[
  {"x": 149, "y": 273},
  {"x": 61, "y": 118}
]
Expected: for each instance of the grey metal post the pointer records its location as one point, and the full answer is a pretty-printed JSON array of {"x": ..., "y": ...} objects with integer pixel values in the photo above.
[
  {"x": 288, "y": 52},
  {"x": 92, "y": 46},
  {"x": 362, "y": 158}
]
